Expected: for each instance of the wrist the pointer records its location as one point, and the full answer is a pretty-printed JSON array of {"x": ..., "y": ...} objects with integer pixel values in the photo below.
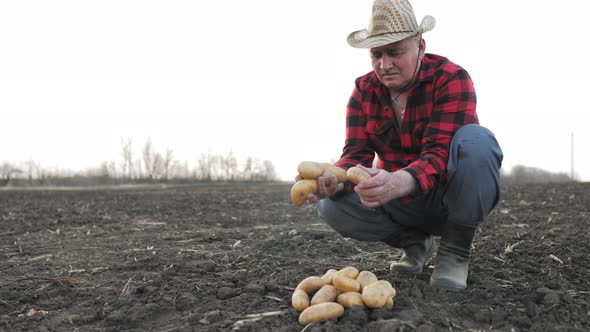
[{"x": 410, "y": 184}]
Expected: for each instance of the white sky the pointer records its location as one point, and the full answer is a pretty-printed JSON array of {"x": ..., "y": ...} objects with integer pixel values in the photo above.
[{"x": 270, "y": 79}]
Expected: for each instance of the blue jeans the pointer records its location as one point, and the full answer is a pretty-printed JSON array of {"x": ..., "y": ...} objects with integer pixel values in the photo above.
[{"x": 470, "y": 192}]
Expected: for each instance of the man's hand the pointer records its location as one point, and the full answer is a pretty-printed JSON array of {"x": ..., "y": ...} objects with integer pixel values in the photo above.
[
  {"x": 384, "y": 186},
  {"x": 326, "y": 188}
]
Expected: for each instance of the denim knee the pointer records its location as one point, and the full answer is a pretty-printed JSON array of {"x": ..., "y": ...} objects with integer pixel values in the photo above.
[
  {"x": 349, "y": 217},
  {"x": 473, "y": 175}
]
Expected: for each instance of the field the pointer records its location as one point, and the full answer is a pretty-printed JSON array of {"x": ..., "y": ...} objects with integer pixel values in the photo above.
[{"x": 226, "y": 257}]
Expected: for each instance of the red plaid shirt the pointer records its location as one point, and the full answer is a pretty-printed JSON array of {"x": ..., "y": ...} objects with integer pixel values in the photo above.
[{"x": 440, "y": 102}]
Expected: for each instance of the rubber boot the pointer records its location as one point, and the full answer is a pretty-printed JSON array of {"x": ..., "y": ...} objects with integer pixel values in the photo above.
[
  {"x": 415, "y": 257},
  {"x": 452, "y": 258}
]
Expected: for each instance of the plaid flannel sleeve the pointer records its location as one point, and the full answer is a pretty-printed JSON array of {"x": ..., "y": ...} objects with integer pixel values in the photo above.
[{"x": 454, "y": 106}]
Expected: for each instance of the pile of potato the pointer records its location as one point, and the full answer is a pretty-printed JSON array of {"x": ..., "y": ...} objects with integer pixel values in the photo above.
[
  {"x": 311, "y": 170},
  {"x": 338, "y": 289}
]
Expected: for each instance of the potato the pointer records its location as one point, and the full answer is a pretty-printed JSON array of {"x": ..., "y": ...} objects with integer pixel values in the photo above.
[
  {"x": 333, "y": 170},
  {"x": 325, "y": 165},
  {"x": 327, "y": 293},
  {"x": 310, "y": 169},
  {"x": 356, "y": 175},
  {"x": 349, "y": 272},
  {"x": 350, "y": 299},
  {"x": 376, "y": 294},
  {"x": 365, "y": 278},
  {"x": 389, "y": 303},
  {"x": 345, "y": 284},
  {"x": 300, "y": 300},
  {"x": 311, "y": 284},
  {"x": 329, "y": 275},
  {"x": 319, "y": 312},
  {"x": 301, "y": 189}
]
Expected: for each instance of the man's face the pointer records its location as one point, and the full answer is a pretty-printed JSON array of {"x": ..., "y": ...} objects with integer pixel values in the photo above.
[{"x": 395, "y": 63}]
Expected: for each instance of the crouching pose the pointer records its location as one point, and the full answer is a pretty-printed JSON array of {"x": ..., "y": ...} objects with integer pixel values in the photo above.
[{"x": 437, "y": 170}]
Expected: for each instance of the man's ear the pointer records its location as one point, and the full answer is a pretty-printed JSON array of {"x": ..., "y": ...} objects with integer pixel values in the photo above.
[{"x": 421, "y": 48}]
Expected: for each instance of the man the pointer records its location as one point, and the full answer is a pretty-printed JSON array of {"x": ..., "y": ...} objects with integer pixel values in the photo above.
[{"x": 437, "y": 170}]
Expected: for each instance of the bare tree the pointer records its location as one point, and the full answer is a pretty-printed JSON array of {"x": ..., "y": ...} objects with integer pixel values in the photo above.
[
  {"x": 248, "y": 169},
  {"x": 127, "y": 153},
  {"x": 257, "y": 171},
  {"x": 32, "y": 170},
  {"x": 139, "y": 169},
  {"x": 167, "y": 163},
  {"x": 527, "y": 174},
  {"x": 270, "y": 173},
  {"x": 157, "y": 166},
  {"x": 206, "y": 166},
  {"x": 212, "y": 167},
  {"x": 229, "y": 166},
  {"x": 112, "y": 170},
  {"x": 6, "y": 171},
  {"x": 148, "y": 161},
  {"x": 103, "y": 170},
  {"x": 178, "y": 170},
  {"x": 202, "y": 172},
  {"x": 184, "y": 170}
]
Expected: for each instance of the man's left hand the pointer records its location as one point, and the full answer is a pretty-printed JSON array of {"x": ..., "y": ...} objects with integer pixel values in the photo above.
[{"x": 384, "y": 186}]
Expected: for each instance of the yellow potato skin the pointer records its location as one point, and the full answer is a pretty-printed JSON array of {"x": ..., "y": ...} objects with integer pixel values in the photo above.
[
  {"x": 310, "y": 169},
  {"x": 376, "y": 294},
  {"x": 319, "y": 312},
  {"x": 311, "y": 284},
  {"x": 345, "y": 284},
  {"x": 325, "y": 165},
  {"x": 329, "y": 275},
  {"x": 333, "y": 170},
  {"x": 301, "y": 189},
  {"x": 356, "y": 175},
  {"x": 389, "y": 303},
  {"x": 365, "y": 278},
  {"x": 350, "y": 299},
  {"x": 300, "y": 300},
  {"x": 327, "y": 293},
  {"x": 349, "y": 272}
]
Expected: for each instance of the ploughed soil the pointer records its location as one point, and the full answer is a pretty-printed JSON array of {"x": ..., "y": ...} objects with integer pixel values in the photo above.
[{"x": 226, "y": 257}]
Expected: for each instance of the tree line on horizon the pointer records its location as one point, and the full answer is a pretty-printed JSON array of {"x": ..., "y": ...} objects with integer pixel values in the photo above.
[
  {"x": 526, "y": 174},
  {"x": 147, "y": 166},
  {"x": 152, "y": 166}
]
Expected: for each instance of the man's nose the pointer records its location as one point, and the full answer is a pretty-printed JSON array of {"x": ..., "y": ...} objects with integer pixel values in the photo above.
[{"x": 386, "y": 62}]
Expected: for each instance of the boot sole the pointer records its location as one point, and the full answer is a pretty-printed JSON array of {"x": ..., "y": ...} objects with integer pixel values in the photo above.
[
  {"x": 429, "y": 256},
  {"x": 446, "y": 285},
  {"x": 405, "y": 269}
]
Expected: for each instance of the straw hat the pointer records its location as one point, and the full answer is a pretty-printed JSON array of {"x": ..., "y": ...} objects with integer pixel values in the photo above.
[{"x": 391, "y": 21}]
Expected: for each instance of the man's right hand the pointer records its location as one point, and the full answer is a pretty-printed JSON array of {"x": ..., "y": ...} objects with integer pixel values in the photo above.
[{"x": 325, "y": 188}]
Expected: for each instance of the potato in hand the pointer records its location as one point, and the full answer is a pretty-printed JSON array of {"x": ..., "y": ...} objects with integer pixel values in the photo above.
[
  {"x": 310, "y": 169},
  {"x": 301, "y": 189},
  {"x": 356, "y": 174},
  {"x": 333, "y": 170}
]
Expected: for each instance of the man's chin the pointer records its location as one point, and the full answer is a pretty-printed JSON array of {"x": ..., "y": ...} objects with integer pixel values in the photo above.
[{"x": 391, "y": 84}]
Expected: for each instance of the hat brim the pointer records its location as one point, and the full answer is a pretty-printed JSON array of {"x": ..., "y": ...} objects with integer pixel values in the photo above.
[{"x": 360, "y": 39}]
